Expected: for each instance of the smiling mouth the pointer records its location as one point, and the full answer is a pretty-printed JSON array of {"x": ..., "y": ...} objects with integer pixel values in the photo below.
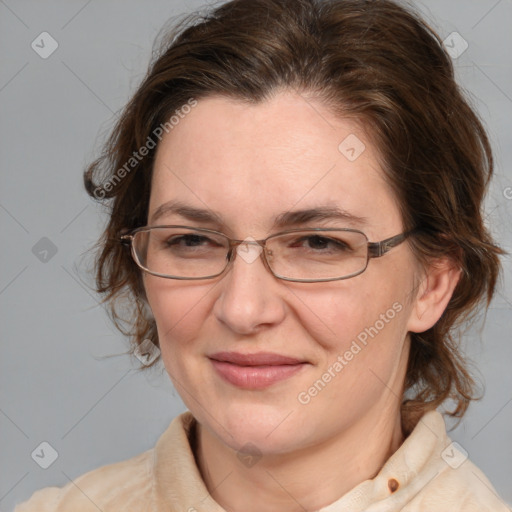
[{"x": 255, "y": 371}]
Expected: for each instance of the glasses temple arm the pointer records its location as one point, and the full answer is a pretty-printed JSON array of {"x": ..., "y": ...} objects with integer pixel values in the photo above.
[{"x": 378, "y": 249}]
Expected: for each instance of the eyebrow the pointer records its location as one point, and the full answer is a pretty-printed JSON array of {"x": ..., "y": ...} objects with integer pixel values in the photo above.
[{"x": 283, "y": 220}]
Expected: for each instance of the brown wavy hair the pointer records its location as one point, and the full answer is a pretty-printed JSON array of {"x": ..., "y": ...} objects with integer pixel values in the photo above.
[{"x": 376, "y": 62}]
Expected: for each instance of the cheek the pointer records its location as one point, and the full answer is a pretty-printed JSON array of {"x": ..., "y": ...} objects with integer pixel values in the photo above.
[
  {"x": 325, "y": 320},
  {"x": 179, "y": 312},
  {"x": 360, "y": 332},
  {"x": 341, "y": 313},
  {"x": 363, "y": 348}
]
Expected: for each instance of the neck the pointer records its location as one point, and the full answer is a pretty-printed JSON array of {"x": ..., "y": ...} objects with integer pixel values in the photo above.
[{"x": 291, "y": 482}]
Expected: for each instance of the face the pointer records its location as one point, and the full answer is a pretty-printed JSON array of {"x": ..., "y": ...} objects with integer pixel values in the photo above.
[{"x": 249, "y": 164}]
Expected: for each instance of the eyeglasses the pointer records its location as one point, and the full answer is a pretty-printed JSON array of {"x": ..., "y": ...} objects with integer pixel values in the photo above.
[{"x": 300, "y": 255}]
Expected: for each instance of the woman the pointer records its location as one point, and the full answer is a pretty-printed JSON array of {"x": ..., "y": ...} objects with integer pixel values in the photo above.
[{"x": 296, "y": 193}]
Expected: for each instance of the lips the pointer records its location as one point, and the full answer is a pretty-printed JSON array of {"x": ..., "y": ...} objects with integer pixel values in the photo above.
[
  {"x": 255, "y": 371},
  {"x": 257, "y": 359}
]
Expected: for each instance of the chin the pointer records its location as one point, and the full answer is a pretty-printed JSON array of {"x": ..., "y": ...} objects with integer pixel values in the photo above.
[{"x": 271, "y": 429}]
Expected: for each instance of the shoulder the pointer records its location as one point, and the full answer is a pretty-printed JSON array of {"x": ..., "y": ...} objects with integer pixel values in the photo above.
[
  {"x": 464, "y": 489},
  {"x": 438, "y": 475},
  {"x": 144, "y": 483},
  {"x": 122, "y": 485}
]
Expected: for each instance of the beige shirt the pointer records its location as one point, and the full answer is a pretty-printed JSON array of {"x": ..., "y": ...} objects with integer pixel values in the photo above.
[{"x": 427, "y": 473}]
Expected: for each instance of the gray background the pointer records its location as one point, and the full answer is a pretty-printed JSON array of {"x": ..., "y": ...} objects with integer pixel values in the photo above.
[{"x": 56, "y": 385}]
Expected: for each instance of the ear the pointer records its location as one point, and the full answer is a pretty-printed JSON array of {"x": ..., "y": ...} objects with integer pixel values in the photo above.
[{"x": 433, "y": 294}]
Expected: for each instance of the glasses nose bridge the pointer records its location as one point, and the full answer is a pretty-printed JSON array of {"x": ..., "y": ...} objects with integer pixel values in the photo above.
[{"x": 234, "y": 244}]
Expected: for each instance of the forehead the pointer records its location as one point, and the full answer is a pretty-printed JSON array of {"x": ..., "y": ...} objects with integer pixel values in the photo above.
[{"x": 251, "y": 162}]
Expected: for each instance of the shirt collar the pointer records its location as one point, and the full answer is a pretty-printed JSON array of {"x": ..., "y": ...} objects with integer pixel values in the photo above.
[{"x": 178, "y": 484}]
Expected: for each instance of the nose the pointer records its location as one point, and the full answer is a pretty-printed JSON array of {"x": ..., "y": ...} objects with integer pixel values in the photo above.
[{"x": 250, "y": 296}]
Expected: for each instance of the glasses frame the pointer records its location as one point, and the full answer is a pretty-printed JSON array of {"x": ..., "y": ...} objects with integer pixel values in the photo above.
[{"x": 375, "y": 250}]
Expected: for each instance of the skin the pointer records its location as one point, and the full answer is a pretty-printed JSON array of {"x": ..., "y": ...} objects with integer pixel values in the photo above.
[{"x": 250, "y": 163}]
